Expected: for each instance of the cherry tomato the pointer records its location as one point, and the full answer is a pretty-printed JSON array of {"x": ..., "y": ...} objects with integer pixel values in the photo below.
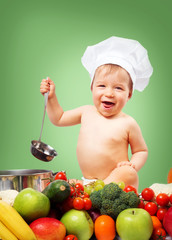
[
  {"x": 79, "y": 187},
  {"x": 162, "y": 199},
  {"x": 85, "y": 195},
  {"x": 159, "y": 233},
  {"x": 130, "y": 188},
  {"x": 171, "y": 198},
  {"x": 72, "y": 191},
  {"x": 160, "y": 213},
  {"x": 151, "y": 208},
  {"x": 60, "y": 175},
  {"x": 70, "y": 237},
  {"x": 78, "y": 203},
  {"x": 148, "y": 194},
  {"x": 141, "y": 204},
  {"x": 87, "y": 203}
]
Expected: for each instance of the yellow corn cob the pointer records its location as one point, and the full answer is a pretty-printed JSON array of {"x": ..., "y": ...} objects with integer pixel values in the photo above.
[
  {"x": 5, "y": 234},
  {"x": 15, "y": 223}
]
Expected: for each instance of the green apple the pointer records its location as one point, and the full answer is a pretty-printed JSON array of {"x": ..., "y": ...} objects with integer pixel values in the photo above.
[
  {"x": 79, "y": 223},
  {"x": 31, "y": 204},
  {"x": 134, "y": 224}
]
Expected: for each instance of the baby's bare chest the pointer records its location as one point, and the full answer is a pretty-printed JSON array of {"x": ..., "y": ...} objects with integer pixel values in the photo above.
[{"x": 104, "y": 131}]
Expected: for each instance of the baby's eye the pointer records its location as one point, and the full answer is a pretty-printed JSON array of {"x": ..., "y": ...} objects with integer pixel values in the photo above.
[
  {"x": 101, "y": 85},
  {"x": 118, "y": 88}
]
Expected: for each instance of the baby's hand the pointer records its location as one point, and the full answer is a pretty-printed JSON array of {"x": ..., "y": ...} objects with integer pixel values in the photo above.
[
  {"x": 47, "y": 85},
  {"x": 125, "y": 163}
]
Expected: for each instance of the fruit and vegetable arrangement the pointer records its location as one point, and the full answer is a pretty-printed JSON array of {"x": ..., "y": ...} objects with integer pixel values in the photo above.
[{"x": 71, "y": 211}]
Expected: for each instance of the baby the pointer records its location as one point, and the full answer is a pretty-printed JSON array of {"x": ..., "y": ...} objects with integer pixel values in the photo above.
[{"x": 116, "y": 66}]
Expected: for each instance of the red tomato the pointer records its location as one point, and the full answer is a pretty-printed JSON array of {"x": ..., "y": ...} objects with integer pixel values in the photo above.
[
  {"x": 78, "y": 203},
  {"x": 159, "y": 233},
  {"x": 60, "y": 175},
  {"x": 151, "y": 208},
  {"x": 87, "y": 203},
  {"x": 70, "y": 237},
  {"x": 72, "y": 191},
  {"x": 130, "y": 188},
  {"x": 79, "y": 187},
  {"x": 148, "y": 194},
  {"x": 162, "y": 199},
  {"x": 85, "y": 195},
  {"x": 141, "y": 204},
  {"x": 160, "y": 213},
  {"x": 171, "y": 198}
]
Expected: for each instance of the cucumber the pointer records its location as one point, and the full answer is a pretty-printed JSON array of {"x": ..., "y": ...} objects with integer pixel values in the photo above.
[{"x": 57, "y": 191}]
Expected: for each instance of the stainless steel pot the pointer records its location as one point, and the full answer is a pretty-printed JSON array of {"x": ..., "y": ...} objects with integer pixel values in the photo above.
[{"x": 23, "y": 178}]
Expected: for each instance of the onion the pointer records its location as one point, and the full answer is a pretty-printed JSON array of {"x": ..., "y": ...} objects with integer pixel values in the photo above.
[
  {"x": 94, "y": 214},
  {"x": 167, "y": 221}
]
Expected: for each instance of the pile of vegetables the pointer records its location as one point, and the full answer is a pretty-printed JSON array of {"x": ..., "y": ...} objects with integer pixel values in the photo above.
[{"x": 99, "y": 206}]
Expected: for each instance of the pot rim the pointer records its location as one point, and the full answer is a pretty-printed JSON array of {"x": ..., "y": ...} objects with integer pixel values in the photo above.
[{"x": 23, "y": 172}]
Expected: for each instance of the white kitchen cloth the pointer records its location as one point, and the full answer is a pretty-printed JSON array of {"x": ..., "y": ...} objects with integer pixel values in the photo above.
[{"x": 127, "y": 53}]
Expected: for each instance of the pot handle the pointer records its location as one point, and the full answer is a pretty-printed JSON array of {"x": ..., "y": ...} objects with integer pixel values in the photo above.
[
  {"x": 54, "y": 173},
  {"x": 58, "y": 172}
]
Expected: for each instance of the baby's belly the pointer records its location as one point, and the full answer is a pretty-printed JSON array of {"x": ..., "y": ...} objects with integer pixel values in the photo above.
[{"x": 96, "y": 160}]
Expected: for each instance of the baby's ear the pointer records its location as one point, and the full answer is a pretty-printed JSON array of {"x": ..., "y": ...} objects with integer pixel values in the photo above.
[{"x": 130, "y": 94}]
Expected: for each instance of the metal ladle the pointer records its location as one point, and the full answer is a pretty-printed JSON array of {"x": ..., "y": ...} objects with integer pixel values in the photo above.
[{"x": 41, "y": 150}]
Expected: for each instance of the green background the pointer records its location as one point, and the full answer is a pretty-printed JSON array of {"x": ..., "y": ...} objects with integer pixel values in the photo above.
[{"x": 48, "y": 38}]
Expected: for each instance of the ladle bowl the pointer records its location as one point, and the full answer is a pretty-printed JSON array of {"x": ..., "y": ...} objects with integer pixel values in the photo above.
[{"x": 42, "y": 151}]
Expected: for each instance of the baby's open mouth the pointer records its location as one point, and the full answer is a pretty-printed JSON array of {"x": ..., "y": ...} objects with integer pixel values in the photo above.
[{"x": 107, "y": 104}]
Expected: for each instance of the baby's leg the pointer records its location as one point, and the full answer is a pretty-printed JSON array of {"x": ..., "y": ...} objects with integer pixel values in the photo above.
[{"x": 126, "y": 173}]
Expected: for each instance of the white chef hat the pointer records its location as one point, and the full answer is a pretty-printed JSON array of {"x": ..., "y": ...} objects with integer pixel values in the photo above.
[{"x": 127, "y": 53}]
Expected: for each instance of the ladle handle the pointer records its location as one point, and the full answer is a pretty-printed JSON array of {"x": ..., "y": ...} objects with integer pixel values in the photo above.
[
  {"x": 45, "y": 106},
  {"x": 46, "y": 98}
]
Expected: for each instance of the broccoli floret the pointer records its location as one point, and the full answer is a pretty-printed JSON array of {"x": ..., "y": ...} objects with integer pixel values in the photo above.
[
  {"x": 112, "y": 208},
  {"x": 107, "y": 208},
  {"x": 107, "y": 203},
  {"x": 109, "y": 212},
  {"x": 111, "y": 191},
  {"x": 96, "y": 199},
  {"x": 119, "y": 208},
  {"x": 130, "y": 199},
  {"x": 133, "y": 200},
  {"x": 117, "y": 202},
  {"x": 124, "y": 197}
]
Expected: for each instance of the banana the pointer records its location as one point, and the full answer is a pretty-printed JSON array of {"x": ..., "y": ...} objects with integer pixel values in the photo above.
[
  {"x": 15, "y": 223},
  {"x": 5, "y": 234}
]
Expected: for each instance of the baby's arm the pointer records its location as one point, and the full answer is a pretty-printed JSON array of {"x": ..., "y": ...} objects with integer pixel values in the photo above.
[
  {"x": 138, "y": 146},
  {"x": 55, "y": 112}
]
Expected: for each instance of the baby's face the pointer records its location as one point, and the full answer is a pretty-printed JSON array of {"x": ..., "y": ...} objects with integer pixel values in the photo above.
[{"x": 111, "y": 91}]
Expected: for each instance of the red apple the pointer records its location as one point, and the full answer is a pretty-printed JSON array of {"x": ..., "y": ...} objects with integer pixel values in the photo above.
[
  {"x": 48, "y": 228},
  {"x": 167, "y": 221}
]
